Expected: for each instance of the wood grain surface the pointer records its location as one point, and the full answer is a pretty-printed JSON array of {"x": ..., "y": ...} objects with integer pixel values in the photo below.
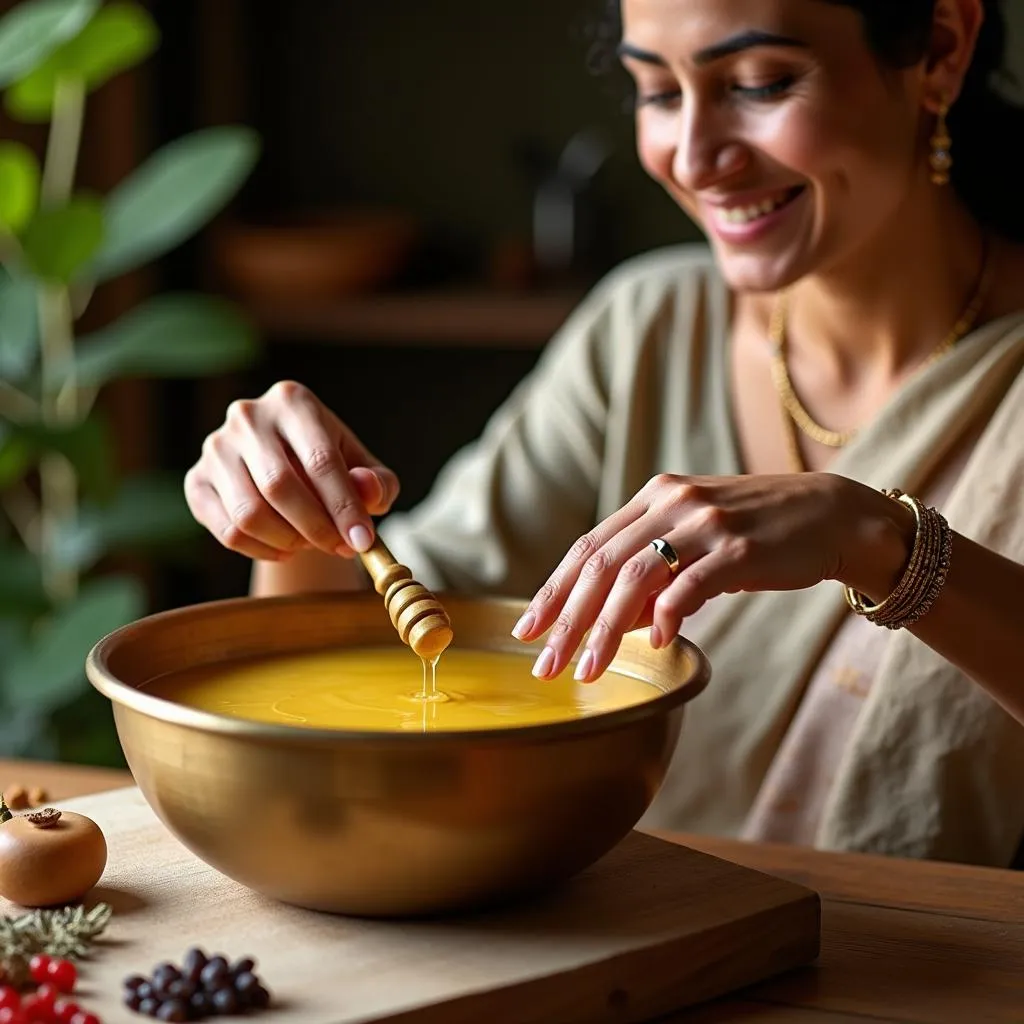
[{"x": 652, "y": 927}]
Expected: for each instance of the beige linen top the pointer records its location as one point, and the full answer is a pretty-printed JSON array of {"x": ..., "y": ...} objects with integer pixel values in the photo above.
[{"x": 636, "y": 383}]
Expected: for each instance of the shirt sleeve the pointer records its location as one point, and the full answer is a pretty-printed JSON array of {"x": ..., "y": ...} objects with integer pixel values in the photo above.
[{"x": 505, "y": 508}]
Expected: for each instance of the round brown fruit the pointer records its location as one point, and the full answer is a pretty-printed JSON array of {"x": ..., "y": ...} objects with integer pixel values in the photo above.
[{"x": 49, "y": 858}]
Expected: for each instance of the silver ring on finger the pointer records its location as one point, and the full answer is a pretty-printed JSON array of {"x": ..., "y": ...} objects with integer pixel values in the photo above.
[{"x": 668, "y": 553}]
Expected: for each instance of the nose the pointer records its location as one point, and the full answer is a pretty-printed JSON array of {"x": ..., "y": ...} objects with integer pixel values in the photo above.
[{"x": 705, "y": 152}]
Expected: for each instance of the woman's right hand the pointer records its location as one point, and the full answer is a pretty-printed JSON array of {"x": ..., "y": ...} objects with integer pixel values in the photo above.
[{"x": 283, "y": 474}]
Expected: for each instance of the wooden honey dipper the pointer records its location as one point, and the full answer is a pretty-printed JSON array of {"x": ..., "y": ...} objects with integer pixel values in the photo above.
[{"x": 419, "y": 617}]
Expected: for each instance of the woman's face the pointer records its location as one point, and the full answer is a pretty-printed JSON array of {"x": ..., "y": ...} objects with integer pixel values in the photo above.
[{"x": 776, "y": 128}]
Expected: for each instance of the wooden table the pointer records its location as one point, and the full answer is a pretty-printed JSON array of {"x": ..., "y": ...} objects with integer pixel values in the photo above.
[{"x": 902, "y": 941}]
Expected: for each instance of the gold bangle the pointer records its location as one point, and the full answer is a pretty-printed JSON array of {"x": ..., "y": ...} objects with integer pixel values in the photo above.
[
  {"x": 916, "y": 578},
  {"x": 857, "y": 601},
  {"x": 937, "y": 579},
  {"x": 923, "y": 576}
]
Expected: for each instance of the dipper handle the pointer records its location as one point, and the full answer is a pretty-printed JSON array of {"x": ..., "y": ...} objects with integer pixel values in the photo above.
[{"x": 419, "y": 617}]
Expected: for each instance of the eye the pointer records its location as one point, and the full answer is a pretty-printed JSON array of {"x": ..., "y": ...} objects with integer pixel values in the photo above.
[
  {"x": 769, "y": 91},
  {"x": 658, "y": 99}
]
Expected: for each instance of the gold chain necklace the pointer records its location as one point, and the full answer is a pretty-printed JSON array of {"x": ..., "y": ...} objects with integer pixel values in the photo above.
[{"x": 797, "y": 416}]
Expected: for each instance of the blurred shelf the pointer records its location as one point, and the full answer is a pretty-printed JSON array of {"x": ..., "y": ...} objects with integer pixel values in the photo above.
[{"x": 457, "y": 319}]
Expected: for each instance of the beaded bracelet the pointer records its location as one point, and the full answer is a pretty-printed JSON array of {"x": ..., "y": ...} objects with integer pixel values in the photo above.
[{"x": 922, "y": 579}]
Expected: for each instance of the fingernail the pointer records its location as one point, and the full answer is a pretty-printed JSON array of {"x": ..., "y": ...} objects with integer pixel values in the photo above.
[
  {"x": 656, "y": 638},
  {"x": 543, "y": 665},
  {"x": 360, "y": 538},
  {"x": 524, "y": 626},
  {"x": 585, "y": 666}
]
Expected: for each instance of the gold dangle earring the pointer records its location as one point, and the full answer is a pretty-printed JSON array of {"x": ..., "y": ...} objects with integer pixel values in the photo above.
[{"x": 941, "y": 159}]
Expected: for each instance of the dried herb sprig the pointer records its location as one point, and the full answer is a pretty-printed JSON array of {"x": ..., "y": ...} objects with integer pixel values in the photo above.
[{"x": 64, "y": 932}]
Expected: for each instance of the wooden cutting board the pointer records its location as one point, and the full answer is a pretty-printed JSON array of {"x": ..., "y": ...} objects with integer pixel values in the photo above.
[{"x": 651, "y": 928}]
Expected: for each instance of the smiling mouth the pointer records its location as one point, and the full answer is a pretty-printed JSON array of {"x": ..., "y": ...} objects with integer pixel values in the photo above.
[{"x": 748, "y": 213}]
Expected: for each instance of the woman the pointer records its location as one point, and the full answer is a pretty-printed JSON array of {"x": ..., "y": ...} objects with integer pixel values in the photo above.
[{"x": 704, "y": 444}]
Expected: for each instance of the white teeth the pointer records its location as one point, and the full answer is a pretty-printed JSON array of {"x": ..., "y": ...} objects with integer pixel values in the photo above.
[{"x": 745, "y": 214}]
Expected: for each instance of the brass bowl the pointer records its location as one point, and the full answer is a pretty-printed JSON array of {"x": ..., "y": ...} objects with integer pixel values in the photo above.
[{"x": 384, "y": 824}]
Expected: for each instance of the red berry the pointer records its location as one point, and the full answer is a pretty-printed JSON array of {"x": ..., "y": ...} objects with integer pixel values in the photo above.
[
  {"x": 38, "y": 966},
  {"x": 46, "y": 993},
  {"x": 12, "y": 1015},
  {"x": 82, "y": 1017},
  {"x": 10, "y": 998},
  {"x": 36, "y": 1010},
  {"x": 64, "y": 1011},
  {"x": 63, "y": 974}
]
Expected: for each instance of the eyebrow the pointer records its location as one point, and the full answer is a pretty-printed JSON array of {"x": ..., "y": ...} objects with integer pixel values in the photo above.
[{"x": 738, "y": 43}]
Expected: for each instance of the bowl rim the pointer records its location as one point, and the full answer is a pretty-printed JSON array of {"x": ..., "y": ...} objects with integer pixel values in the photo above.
[{"x": 128, "y": 696}]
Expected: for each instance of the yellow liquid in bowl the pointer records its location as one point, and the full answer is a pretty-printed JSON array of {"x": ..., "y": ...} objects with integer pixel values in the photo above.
[{"x": 382, "y": 690}]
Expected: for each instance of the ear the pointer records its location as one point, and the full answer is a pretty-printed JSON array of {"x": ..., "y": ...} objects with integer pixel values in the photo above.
[{"x": 955, "y": 28}]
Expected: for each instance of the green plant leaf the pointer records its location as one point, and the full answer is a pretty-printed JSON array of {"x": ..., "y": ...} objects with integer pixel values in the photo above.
[
  {"x": 168, "y": 336},
  {"x": 19, "y": 185},
  {"x": 21, "y": 584},
  {"x": 60, "y": 240},
  {"x": 50, "y": 671},
  {"x": 31, "y": 31},
  {"x": 15, "y": 456},
  {"x": 15, "y": 460},
  {"x": 173, "y": 194},
  {"x": 13, "y": 627},
  {"x": 118, "y": 37},
  {"x": 148, "y": 511},
  {"x": 85, "y": 732},
  {"x": 27, "y": 734},
  {"x": 18, "y": 326},
  {"x": 85, "y": 445}
]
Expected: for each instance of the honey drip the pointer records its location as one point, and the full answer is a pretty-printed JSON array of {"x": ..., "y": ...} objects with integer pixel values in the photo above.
[{"x": 430, "y": 692}]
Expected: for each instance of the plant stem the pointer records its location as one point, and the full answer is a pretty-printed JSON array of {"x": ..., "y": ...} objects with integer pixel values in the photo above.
[
  {"x": 23, "y": 512},
  {"x": 58, "y": 481},
  {"x": 65, "y": 138},
  {"x": 10, "y": 248},
  {"x": 15, "y": 405},
  {"x": 87, "y": 399}
]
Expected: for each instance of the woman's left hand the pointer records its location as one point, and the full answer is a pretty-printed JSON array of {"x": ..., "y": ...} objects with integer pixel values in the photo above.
[{"x": 730, "y": 534}]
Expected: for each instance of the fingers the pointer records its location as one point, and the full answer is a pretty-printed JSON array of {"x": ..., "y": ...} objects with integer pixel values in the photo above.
[
  {"x": 544, "y": 609},
  {"x": 326, "y": 473},
  {"x": 209, "y": 511},
  {"x": 349, "y": 481},
  {"x": 612, "y": 581},
  {"x": 646, "y": 617},
  {"x": 245, "y": 504},
  {"x": 609, "y": 595},
  {"x": 640, "y": 580},
  {"x": 721, "y": 571},
  {"x": 632, "y": 601},
  {"x": 284, "y": 472},
  {"x": 377, "y": 487},
  {"x": 282, "y": 493}
]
